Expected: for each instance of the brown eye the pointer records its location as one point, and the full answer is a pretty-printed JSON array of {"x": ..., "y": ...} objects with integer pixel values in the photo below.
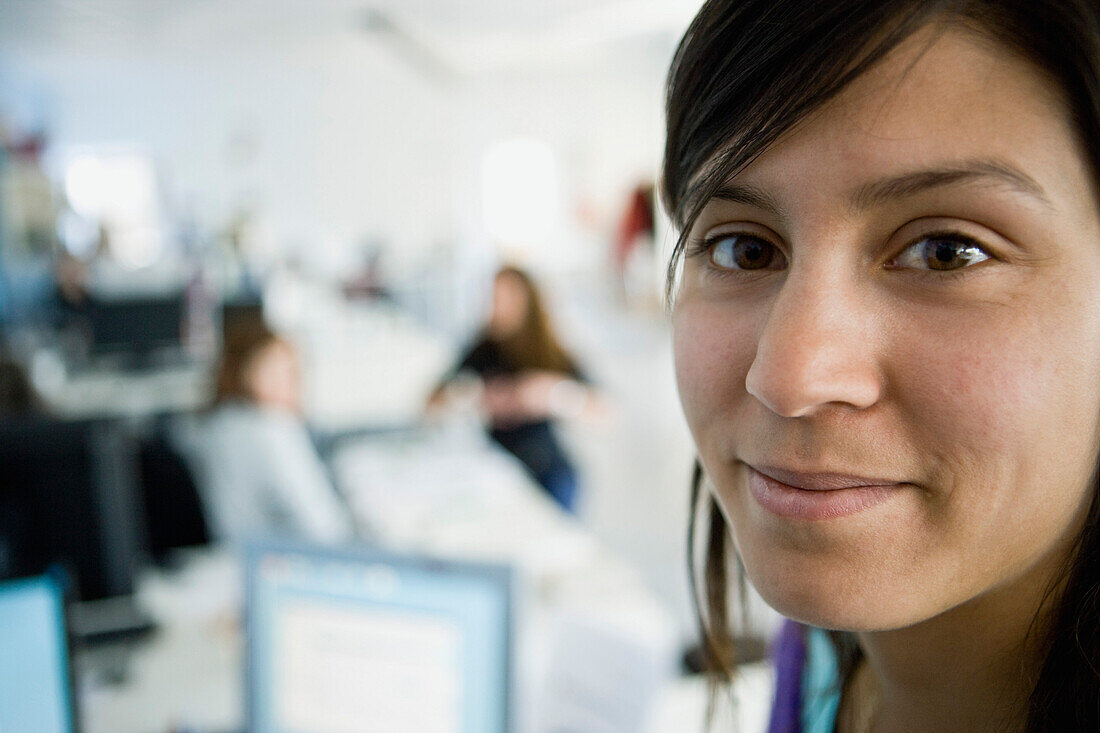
[
  {"x": 743, "y": 252},
  {"x": 941, "y": 253}
]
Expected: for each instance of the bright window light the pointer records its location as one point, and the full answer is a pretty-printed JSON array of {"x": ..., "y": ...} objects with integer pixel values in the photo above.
[
  {"x": 520, "y": 193},
  {"x": 119, "y": 190},
  {"x": 110, "y": 185}
]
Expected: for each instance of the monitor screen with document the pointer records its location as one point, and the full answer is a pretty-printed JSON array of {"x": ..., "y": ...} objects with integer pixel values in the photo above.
[{"x": 359, "y": 640}]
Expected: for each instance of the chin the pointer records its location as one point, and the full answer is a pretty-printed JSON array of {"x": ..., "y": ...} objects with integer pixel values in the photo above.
[{"x": 835, "y": 601}]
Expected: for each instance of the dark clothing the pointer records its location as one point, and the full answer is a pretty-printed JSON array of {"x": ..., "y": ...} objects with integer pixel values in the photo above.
[
  {"x": 486, "y": 359},
  {"x": 533, "y": 443},
  {"x": 536, "y": 447}
]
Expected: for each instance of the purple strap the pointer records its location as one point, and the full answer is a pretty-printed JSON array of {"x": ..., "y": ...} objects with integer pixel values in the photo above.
[{"x": 789, "y": 656}]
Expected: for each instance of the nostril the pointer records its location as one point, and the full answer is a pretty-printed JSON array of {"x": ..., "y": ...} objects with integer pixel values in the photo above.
[{"x": 797, "y": 375}]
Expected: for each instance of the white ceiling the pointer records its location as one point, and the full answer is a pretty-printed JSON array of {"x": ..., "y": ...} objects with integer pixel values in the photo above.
[{"x": 467, "y": 37}]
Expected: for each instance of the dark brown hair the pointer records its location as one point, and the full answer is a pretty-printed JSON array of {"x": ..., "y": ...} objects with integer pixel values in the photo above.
[
  {"x": 534, "y": 345},
  {"x": 746, "y": 72}
]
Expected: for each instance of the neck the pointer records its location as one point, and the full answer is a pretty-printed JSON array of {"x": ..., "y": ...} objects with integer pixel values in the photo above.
[{"x": 971, "y": 668}]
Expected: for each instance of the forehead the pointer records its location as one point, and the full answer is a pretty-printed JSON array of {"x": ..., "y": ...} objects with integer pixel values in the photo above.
[
  {"x": 276, "y": 349},
  {"x": 509, "y": 282},
  {"x": 943, "y": 98}
]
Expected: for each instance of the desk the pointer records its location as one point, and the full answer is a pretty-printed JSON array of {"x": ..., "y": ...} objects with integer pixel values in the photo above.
[
  {"x": 186, "y": 677},
  {"x": 595, "y": 648},
  {"x": 595, "y": 644},
  {"x": 367, "y": 364},
  {"x": 120, "y": 393}
]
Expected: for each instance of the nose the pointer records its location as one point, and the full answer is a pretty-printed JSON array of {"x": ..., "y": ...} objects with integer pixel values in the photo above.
[{"x": 818, "y": 349}]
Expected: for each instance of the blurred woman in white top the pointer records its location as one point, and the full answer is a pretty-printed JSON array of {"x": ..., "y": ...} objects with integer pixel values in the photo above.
[{"x": 258, "y": 471}]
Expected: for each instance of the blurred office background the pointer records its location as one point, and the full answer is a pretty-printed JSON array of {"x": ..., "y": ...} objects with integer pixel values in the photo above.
[{"x": 354, "y": 173}]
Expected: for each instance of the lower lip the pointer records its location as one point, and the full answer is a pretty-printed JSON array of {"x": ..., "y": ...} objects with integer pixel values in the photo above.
[{"x": 794, "y": 503}]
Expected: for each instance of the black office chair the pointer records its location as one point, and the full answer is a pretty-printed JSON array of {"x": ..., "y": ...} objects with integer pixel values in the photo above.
[
  {"x": 67, "y": 498},
  {"x": 173, "y": 510}
]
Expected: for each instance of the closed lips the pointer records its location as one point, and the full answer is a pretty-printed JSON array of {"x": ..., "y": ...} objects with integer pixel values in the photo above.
[
  {"x": 823, "y": 481},
  {"x": 816, "y": 496}
]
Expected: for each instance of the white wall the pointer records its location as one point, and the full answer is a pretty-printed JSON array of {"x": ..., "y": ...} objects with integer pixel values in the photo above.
[{"x": 335, "y": 139}]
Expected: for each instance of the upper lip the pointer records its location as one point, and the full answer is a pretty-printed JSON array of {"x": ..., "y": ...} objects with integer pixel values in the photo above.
[{"x": 820, "y": 480}]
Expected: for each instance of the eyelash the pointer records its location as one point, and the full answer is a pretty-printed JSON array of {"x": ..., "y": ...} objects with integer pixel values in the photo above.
[
  {"x": 704, "y": 246},
  {"x": 948, "y": 236}
]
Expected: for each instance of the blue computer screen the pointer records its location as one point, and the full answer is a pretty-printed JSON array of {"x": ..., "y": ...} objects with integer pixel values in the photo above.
[
  {"x": 34, "y": 665},
  {"x": 345, "y": 642}
]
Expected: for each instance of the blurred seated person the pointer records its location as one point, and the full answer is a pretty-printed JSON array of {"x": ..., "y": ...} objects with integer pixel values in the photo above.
[
  {"x": 524, "y": 379},
  {"x": 259, "y": 474}
]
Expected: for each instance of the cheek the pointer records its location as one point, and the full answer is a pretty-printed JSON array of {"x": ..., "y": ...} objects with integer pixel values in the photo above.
[
  {"x": 265, "y": 380},
  {"x": 713, "y": 349},
  {"x": 972, "y": 388},
  {"x": 1005, "y": 412},
  {"x": 1002, "y": 390}
]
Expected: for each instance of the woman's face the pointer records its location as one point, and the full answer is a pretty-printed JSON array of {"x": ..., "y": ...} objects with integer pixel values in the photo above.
[
  {"x": 274, "y": 378},
  {"x": 887, "y": 341},
  {"x": 510, "y": 305}
]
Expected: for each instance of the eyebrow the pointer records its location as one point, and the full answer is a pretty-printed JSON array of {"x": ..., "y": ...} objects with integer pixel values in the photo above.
[
  {"x": 886, "y": 190},
  {"x": 994, "y": 172},
  {"x": 743, "y": 193}
]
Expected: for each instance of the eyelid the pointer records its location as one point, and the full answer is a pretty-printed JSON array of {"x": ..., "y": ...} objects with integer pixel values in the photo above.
[
  {"x": 699, "y": 246},
  {"x": 708, "y": 248},
  {"x": 717, "y": 233},
  {"x": 953, "y": 235},
  {"x": 975, "y": 232},
  {"x": 925, "y": 228},
  {"x": 744, "y": 227}
]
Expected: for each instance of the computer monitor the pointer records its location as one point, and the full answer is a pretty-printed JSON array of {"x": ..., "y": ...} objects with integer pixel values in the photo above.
[
  {"x": 36, "y": 692},
  {"x": 136, "y": 327},
  {"x": 348, "y": 640}
]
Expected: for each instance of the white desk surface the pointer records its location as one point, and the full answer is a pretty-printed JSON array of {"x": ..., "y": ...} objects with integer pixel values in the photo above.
[
  {"x": 189, "y": 677},
  {"x": 115, "y": 393},
  {"x": 587, "y": 621}
]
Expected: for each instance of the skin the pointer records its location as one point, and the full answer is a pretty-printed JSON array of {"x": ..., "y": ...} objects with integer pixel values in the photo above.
[
  {"x": 976, "y": 389},
  {"x": 510, "y": 305},
  {"x": 274, "y": 377}
]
